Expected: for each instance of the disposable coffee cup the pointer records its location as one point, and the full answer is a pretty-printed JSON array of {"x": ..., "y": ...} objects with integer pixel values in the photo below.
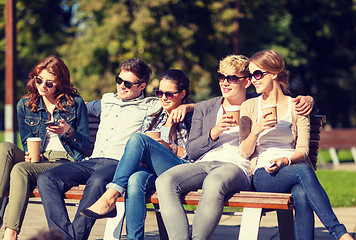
[
  {"x": 235, "y": 112},
  {"x": 272, "y": 109},
  {"x": 154, "y": 134},
  {"x": 34, "y": 148}
]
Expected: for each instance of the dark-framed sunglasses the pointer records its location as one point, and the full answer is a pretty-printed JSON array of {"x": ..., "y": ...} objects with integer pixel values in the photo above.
[
  {"x": 39, "y": 81},
  {"x": 232, "y": 79},
  {"x": 169, "y": 95},
  {"x": 127, "y": 84},
  {"x": 258, "y": 74}
]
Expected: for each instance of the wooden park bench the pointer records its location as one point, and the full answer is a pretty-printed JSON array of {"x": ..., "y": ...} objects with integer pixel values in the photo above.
[
  {"x": 254, "y": 204},
  {"x": 336, "y": 139}
]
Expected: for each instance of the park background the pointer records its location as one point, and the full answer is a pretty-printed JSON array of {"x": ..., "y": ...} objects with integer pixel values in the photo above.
[{"x": 317, "y": 39}]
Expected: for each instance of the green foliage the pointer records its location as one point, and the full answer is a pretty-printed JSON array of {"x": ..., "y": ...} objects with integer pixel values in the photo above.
[{"x": 94, "y": 37}]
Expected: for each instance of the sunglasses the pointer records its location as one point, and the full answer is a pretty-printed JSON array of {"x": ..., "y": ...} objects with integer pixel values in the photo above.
[
  {"x": 169, "y": 95},
  {"x": 39, "y": 81},
  {"x": 232, "y": 79},
  {"x": 127, "y": 84},
  {"x": 258, "y": 74}
]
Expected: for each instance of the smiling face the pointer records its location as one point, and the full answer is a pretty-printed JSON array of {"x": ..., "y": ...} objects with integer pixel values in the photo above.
[
  {"x": 233, "y": 91},
  {"x": 125, "y": 93},
  {"x": 265, "y": 84},
  {"x": 166, "y": 85},
  {"x": 42, "y": 88}
]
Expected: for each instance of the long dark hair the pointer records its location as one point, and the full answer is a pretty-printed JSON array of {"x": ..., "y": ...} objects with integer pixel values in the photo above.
[
  {"x": 181, "y": 80},
  {"x": 64, "y": 91}
]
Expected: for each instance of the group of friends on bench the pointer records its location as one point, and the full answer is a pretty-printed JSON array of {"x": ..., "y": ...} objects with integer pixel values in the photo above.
[{"x": 200, "y": 147}]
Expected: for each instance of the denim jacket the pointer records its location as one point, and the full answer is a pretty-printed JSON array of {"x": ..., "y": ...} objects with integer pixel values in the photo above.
[{"x": 32, "y": 124}]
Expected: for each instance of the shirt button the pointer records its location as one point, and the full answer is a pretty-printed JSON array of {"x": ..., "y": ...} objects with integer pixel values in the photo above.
[
  {"x": 74, "y": 140},
  {"x": 67, "y": 118},
  {"x": 31, "y": 122}
]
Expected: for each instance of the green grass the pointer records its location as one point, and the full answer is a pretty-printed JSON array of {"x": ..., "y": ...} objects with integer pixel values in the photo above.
[
  {"x": 344, "y": 156},
  {"x": 340, "y": 187}
]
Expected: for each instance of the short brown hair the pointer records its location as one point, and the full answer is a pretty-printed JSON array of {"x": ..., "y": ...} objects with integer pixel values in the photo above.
[{"x": 138, "y": 67}]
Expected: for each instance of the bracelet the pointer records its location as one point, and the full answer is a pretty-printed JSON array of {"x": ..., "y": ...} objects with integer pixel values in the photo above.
[
  {"x": 174, "y": 148},
  {"x": 69, "y": 131},
  {"x": 288, "y": 159}
]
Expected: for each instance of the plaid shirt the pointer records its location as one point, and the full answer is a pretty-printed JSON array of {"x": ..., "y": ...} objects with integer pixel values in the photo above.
[{"x": 183, "y": 127}]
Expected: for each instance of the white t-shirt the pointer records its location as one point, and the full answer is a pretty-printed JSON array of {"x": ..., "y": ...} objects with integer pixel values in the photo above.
[
  {"x": 227, "y": 150},
  {"x": 52, "y": 142},
  {"x": 276, "y": 142}
]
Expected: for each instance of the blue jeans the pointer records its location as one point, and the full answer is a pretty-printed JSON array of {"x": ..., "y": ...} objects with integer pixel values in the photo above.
[
  {"x": 217, "y": 179},
  {"x": 95, "y": 173},
  {"x": 138, "y": 185},
  {"x": 137, "y": 180},
  {"x": 309, "y": 195}
]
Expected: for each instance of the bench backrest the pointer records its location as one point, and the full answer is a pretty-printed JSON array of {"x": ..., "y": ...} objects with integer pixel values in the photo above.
[
  {"x": 316, "y": 122},
  {"x": 338, "y": 138}
]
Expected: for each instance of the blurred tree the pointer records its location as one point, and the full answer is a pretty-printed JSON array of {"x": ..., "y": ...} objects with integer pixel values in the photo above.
[
  {"x": 94, "y": 37},
  {"x": 189, "y": 35},
  {"x": 42, "y": 26}
]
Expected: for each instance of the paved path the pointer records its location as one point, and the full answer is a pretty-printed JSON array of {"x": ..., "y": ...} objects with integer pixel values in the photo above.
[{"x": 228, "y": 228}]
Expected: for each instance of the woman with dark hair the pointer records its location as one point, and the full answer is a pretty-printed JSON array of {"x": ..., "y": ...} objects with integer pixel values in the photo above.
[
  {"x": 278, "y": 148},
  {"x": 51, "y": 98},
  {"x": 146, "y": 158}
]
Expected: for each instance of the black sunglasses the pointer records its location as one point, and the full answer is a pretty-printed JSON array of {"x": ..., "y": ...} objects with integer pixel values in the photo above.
[
  {"x": 127, "y": 84},
  {"x": 39, "y": 81},
  {"x": 169, "y": 95},
  {"x": 258, "y": 74},
  {"x": 232, "y": 79}
]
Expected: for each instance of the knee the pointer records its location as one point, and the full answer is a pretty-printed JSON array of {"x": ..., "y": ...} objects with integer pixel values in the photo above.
[
  {"x": 136, "y": 138},
  {"x": 19, "y": 171},
  {"x": 6, "y": 146},
  {"x": 305, "y": 171},
  {"x": 43, "y": 179},
  {"x": 165, "y": 182}
]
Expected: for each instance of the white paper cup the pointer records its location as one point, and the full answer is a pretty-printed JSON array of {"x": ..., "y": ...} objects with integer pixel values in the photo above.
[
  {"x": 153, "y": 134},
  {"x": 271, "y": 108},
  {"x": 34, "y": 148},
  {"x": 234, "y": 110}
]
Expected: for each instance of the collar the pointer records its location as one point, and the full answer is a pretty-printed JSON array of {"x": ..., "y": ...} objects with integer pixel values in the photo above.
[{"x": 131, "y": 100}]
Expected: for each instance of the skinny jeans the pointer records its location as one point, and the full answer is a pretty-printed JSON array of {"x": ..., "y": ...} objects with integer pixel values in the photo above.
[
  {"x": 301, "y": 180},
  {"x": 144, "y": 159},
  {"x": 20, "y": 177},
  {"x": 216, "y": 179}
]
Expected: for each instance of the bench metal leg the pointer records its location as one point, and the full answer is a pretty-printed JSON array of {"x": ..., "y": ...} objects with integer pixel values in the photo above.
[
  {"x": 161, "y": 228},
  {"x": 114, "y": 225},
  {"x": 285, "y": 224},
  {"x": 353, "y": 152},
  {"x": 334, "y": 157},
  {"x": 250, "y": 223}
]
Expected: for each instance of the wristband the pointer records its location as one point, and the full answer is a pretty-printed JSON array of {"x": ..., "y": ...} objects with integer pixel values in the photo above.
[
  {"x": 69, "y": 131},
  {"x": 288, "y": 159}
]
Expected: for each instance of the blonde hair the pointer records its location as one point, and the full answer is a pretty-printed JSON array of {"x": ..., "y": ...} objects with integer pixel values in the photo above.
[
  {"x": 234, "y": 63},
  {"x": 271, "y": 61}
]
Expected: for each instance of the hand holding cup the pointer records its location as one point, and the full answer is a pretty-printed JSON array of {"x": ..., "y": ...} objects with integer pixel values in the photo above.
[{"x": 34, "y": 148}]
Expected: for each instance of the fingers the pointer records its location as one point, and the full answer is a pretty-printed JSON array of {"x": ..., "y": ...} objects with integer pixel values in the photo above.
[
  {"x": 178, "y": 115},
  {"x": 304, "y": 105}
]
